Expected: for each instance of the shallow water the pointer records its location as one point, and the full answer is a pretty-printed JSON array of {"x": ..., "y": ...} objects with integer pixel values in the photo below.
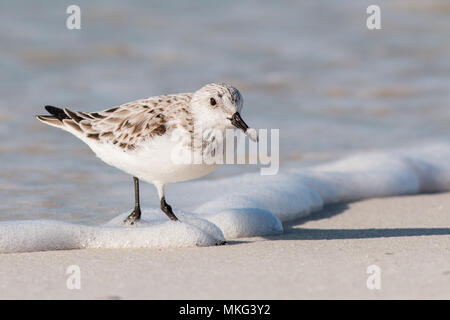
[
  {"x": 309, "y": 68},
  {"x": 247, "y": 205}
]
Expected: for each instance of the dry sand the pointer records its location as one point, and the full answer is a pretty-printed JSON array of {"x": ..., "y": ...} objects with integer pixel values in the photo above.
[{"x": 325, "y": 255}]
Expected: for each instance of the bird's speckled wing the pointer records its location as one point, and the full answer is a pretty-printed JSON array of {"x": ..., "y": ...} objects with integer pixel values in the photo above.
[{"x": 128, "y": 125}]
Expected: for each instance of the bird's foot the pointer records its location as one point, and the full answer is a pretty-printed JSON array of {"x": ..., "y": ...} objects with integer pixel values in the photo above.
[
  {"x": 133, "y": 217},
  {"x": 167, "y": 209}
]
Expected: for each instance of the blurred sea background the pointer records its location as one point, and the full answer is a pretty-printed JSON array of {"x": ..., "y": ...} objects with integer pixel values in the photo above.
[{"x": 309, "y": 68}]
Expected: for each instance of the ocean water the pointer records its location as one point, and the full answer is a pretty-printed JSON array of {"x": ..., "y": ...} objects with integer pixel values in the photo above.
[{"x": 308, "y": 68}]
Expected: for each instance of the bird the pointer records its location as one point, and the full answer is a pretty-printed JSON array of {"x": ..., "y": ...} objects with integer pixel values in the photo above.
[{"x": 140, "y": 137}]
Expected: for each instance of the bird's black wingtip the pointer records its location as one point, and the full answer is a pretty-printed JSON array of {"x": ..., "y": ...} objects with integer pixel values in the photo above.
[{"x": 57, "y": 112}]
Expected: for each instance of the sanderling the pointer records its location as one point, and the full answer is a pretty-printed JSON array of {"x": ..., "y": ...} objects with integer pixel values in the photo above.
[{"x": 137, "y": 137}]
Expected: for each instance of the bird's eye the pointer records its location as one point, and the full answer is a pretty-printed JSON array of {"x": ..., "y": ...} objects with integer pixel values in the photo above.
[{"x": 212, "y": 101}]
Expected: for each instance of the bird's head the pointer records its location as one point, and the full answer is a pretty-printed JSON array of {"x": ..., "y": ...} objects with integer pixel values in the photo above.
[{"x": 220, "y": 104}]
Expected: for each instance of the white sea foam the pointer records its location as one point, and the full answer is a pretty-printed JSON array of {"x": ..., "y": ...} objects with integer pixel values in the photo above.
[
  {"x": 248, "y": 205},
  {"x": 41, "y": 235}
]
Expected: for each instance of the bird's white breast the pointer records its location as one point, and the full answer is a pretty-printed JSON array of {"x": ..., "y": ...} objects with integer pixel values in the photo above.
[{"x": 157, "y": 160}]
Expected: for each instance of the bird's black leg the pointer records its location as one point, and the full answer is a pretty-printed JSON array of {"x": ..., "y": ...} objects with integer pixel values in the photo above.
[
  {"x": 167, "y": 209},
  {"x": 136, "y": 214}
]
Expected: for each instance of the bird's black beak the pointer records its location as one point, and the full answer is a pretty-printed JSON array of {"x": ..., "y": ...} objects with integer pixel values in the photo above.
[{"x": 237, "y": 121}]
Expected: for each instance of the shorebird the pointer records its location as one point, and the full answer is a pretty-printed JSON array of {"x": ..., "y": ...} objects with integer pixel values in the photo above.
[{"x": 138, "y": 137}]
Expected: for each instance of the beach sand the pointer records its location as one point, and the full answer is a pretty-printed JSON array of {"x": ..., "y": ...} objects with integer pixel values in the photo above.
[{"x": 324, "y": 255}]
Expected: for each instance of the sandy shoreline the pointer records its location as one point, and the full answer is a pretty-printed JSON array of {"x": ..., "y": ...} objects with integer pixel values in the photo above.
[{"x": 324, "y": 255}]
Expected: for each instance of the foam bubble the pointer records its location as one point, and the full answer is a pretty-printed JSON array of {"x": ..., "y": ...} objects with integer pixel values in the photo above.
[
  {"x": 252, "y": 134},
  {"x": 246, "y": 222}
]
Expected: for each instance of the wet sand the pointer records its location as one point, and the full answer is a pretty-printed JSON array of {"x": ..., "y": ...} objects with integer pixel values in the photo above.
[{"x": 325, "y": 255}]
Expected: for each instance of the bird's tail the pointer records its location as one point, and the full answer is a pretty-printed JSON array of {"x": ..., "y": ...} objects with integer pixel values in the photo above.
[
  {"x": 55, "y": 118},
  {"x": 61, "y": 118}
]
